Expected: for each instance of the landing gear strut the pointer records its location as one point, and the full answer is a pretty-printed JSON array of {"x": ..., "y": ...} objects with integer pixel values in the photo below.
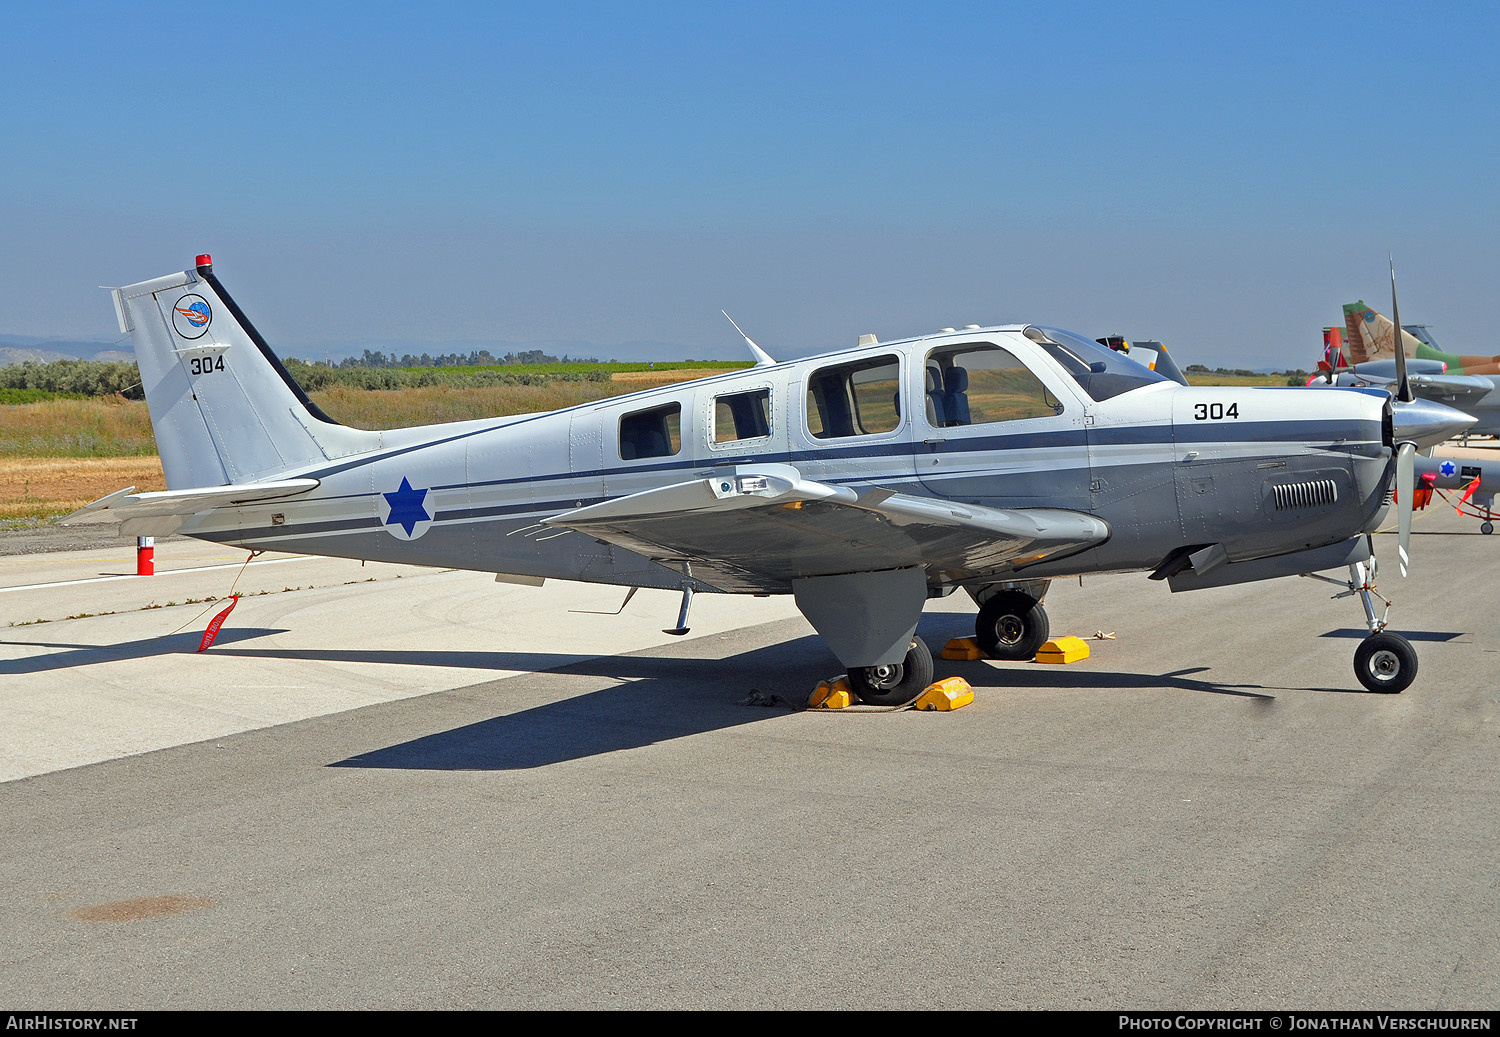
[
  {"x": 1011, "y": 625},
  {"x": 897, "y": 683},
  {"x": 1384, "y": 662}
]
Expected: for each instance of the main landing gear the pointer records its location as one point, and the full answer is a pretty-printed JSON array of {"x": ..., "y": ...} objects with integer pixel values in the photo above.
[
  {"x": 1384, "y": 662},
  {"x": 1011, "y": 625},
  {"x": 897, "y": 683}
]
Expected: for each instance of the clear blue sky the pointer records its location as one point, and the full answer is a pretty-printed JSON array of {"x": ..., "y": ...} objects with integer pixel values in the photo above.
[{"x": 1221, "y": 177}]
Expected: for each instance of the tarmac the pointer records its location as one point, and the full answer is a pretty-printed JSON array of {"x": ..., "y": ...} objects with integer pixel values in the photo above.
[{"x": 393, "y": 787}]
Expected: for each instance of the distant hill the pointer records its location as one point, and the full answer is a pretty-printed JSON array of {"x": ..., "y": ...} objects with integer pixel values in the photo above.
[{"x": 17, "y": 349}]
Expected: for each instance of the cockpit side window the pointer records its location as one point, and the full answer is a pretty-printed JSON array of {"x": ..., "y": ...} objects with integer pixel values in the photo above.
[
  {"x": 651, "y": 433},
  {"x": 857, "y": 399},
  {"x": 979, "y": 383}
]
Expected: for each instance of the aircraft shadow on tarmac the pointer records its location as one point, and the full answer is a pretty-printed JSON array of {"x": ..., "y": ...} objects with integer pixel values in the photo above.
[
  {"x": 660, "y": 698},
  {"x": 75, "y": 654},
  {"x": 667, "y": 697},
  {"x": 1360, "y": 633},
  {"x": 663, "y": 693}
]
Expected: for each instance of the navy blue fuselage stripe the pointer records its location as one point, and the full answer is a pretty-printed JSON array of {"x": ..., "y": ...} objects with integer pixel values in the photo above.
[
  {"x": 548, "y": 508},
  {"x": 900, "y": 450},
  {"x": 1117, "y": 435},
  {"x": 1129, "y": 435}
]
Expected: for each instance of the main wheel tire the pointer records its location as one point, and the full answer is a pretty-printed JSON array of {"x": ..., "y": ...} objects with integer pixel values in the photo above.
[
  {"x": 1011, "y": 625},
  {"x": 1385, "y": 663},
  {"x": 898, "y": 683}
]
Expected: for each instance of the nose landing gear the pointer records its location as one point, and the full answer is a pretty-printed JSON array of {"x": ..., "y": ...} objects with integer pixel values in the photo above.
[{"x": 1384, "y": 662}]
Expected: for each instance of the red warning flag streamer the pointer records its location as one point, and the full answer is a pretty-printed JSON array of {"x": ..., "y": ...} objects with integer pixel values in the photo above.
[
  {"x": 1468, "y": 491},
  {"x": 215, "y": 623}
]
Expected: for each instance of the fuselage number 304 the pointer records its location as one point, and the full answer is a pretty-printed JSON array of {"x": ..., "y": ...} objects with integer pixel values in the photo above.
[
  {"x": 205, "y": 364},
  {"x": 1215, "y": 411}
]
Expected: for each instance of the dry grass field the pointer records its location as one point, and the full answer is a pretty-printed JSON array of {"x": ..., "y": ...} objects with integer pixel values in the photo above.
[
  {"x": 106, "y": 426},
  {"x": 41, "y": 487}
]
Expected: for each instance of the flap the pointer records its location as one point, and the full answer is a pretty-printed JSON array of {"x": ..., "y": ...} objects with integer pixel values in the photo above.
[{"x": 758, "y": 527}]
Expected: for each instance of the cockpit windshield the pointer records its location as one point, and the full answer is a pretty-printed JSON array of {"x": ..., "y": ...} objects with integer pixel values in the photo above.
[{"x": 1101, "y": 372}]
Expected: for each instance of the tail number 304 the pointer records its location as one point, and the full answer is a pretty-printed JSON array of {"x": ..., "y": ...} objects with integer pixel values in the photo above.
[
  {"x": 205, "y": 364},
  {"x": 1215, "y": 411}
]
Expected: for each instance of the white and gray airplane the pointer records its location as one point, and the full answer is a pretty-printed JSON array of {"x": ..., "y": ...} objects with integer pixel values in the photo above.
[{"x": 863, "y": 482}]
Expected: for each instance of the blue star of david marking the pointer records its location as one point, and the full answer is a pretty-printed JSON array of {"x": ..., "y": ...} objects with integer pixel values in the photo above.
[
  {"x": 1447, "y": 467},
  {"x": 406, "y": 507}
]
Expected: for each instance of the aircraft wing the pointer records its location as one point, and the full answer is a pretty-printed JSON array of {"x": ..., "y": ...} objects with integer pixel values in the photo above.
[
  {"x": 1450, "y": 389},
  {"x": 758, "y": 527},
  {"x": 1454, "y": 390},
  {"x": 161, "y": 512}
]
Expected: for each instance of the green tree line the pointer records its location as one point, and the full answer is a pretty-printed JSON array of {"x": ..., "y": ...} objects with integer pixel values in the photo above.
[
  {"x": 475, "y": 358},
  {"x": 105, "y": 378},
  {"x": 75, "y": 377}
]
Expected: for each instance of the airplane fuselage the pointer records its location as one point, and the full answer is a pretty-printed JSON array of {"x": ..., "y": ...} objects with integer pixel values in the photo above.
[{"x": 1166, "y": 467}]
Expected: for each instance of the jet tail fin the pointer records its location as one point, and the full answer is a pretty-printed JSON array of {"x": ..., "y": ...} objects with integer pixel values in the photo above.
[
  {"x": 1333, "y": 350},
  {"x": 223, "y": 408},
  {"x": 1370, "y": 335}
]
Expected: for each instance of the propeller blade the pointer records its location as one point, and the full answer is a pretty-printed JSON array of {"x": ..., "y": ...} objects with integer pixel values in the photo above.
[
  {"x": 1403, "y": 385},
  {"x": 1406, "y": 489}
]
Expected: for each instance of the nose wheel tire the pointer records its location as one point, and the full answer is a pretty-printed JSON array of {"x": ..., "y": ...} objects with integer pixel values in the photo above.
[
  {"x": 1486, "y": 527},
  {"x": 1385, "y": 663},
  {"x": 895, "y": 684},
  {"x": 1011, "y": 625}
]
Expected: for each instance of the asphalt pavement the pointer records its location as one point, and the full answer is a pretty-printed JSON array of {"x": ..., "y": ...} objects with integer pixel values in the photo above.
[{"x": 399, "y": 788}]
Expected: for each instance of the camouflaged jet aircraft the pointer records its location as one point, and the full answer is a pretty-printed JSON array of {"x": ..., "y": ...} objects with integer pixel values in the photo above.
[
  {"x": 1362, "y": 353},
  {"x": 863, "y": 482}
]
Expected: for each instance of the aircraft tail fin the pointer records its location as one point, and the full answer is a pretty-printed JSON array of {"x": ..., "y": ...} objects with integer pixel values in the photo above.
[
  {"x": 1333, "y": 350},
  {"x": 1370, "y": 335},
  {"x": 223, "y": 408}
]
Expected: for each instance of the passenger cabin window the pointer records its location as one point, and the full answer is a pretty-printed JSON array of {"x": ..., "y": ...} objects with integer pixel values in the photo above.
[
  {"x": 651, "y": 433},
  {"x": 742, "y": 415},
  {"x": 977, "y": 383},
  {"x": 856, "y": 399}
]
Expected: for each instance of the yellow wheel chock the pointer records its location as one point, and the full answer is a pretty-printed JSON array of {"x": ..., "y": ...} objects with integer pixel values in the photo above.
[{"x": 1063, "y": 650}]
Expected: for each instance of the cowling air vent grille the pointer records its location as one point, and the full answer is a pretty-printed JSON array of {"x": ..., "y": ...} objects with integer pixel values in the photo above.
[{"x": 1315, "y": 493}]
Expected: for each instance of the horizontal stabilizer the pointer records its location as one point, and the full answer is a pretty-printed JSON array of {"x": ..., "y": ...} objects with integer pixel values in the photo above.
[
  {"x": 758, "y": 527},
  {"x": 161, "y": 512}
]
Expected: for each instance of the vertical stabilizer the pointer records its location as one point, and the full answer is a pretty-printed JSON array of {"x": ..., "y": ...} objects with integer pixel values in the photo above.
[
  {"x": 223, "y": 408},
  {"x": 1371, "y": 335},
  {"x": 1333, "y": 349}
]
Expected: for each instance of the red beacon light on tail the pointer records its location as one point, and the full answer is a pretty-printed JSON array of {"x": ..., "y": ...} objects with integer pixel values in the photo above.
[{"x": 204, "y": 260}]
